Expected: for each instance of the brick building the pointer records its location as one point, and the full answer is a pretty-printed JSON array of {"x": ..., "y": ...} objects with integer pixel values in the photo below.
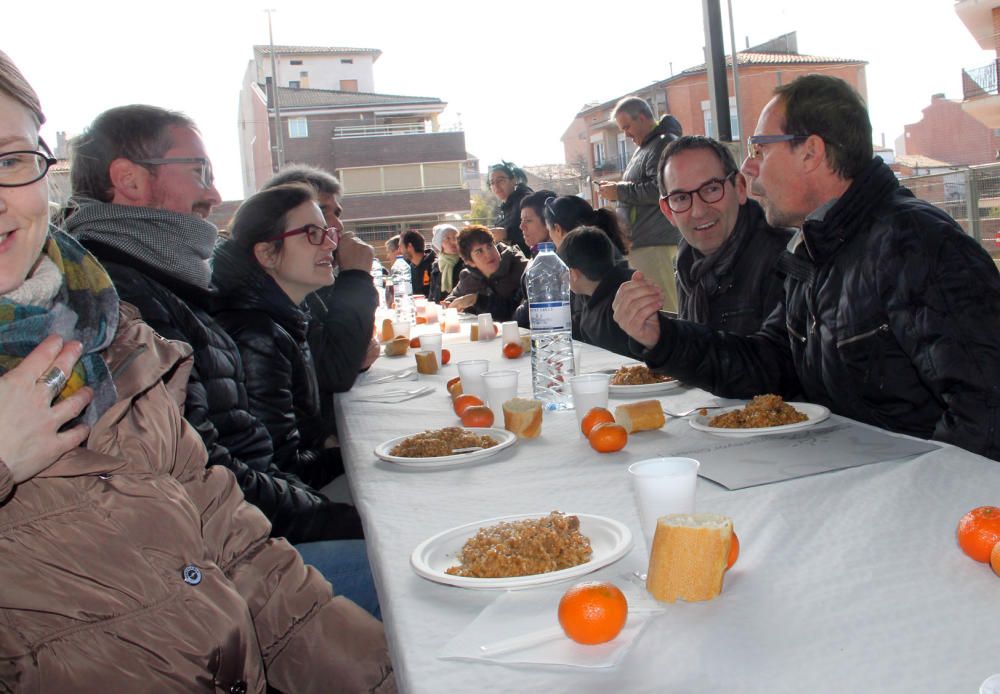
[
  {"x": 981, "y": 98},
  {"x": 398, "y": 169},
  {"x": 947, "y": 133},
  {"x": 593, "y": 136}
]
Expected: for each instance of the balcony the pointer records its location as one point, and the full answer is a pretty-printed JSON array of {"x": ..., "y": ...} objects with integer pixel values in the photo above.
[
  {"x": 608, "y": 165},
  {"x": 981, "y": 97},
  {"x": 403, "y": 148},
  {"x": 384, "y": 130}
]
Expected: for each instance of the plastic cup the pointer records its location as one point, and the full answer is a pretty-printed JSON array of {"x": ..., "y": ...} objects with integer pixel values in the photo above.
[
  {"x": 451, "y": 320},
  {"x": 432, "y": 313},
  {"x": 501, "y": 386},
  {"x": 401, "y": 328},
  {"x": 510, "y": 332},
  {"x": 471, "y": 372},
  {"x": 485, "y": 326},
  {"x": 589, "y": 391},
  {"x": 662, "y": 486},
  {"x": 432, "y": 343}
]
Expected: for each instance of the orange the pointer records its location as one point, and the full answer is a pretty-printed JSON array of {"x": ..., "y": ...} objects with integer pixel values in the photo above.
[
  {"x": 734, "y": 552},
  {"x": 995, "y": 559},
  {"x": 593, "y": 612},
  {"x": 445, "y": 357},
  {"x": 979, "y": 531},
  {"x": 463, "y": 401},
  {"x": 595, "y": 416},
  {"x": 415, "y": 342},
  {"x": 512, "y": 350},
  {"x": 421, "y": 320},
  {"x": 452, "y": 381},
  {"x": 477, "y": 416},
  {"x": 608, "y": 437}
]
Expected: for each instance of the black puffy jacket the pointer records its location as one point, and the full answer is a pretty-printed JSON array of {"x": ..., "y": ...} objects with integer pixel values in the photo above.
[
  {"x": 500, "y": 293},
  {"x": 216, "y": 404},
  {"x": 508, "y": 215},
  {"x": 891, "y": 316}
]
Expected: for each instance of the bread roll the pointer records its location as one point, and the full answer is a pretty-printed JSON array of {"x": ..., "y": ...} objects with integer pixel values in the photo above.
[
  {"x": 523, "y": 417},
  {"x": 640, "y": 416},
  {"x": 397, "y": 347},
  {"x": 474, "y": 332},
  {"x": 688, "y": 560},
  {"x": 526, "y": 344},
  {"x": 387, "y": 331},
  {"x": 427, "y": 362}
]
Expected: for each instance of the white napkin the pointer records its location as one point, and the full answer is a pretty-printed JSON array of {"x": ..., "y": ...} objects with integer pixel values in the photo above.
[
  {"x": 375, "y": 373},
  {"x": 520, "y": 612}
]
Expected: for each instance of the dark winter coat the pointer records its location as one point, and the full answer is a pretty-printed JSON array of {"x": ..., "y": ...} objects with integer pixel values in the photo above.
[
  {"x": 420, "y": 274},
  {"x": 508, "y": 215},
  {"x": 593, "y": 319},
  {"x": 500, "y": 293},
  {"x": 639, "y": 192}
]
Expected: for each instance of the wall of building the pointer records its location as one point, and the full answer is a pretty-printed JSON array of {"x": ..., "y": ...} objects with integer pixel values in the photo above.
[
  {"x": 400, "y": 205},
  {"x": 325, "y": 71},
  {"x": 398, "y": 149},
  {"x": 255, "y": 138},
  {"x": 949, "y": 134}
]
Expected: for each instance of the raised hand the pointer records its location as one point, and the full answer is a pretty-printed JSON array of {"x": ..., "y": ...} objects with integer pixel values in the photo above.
[{"x": 636, "y": 308}]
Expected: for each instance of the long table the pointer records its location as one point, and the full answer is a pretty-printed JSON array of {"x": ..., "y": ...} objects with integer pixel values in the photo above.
[{"x": 849, "y": 581}]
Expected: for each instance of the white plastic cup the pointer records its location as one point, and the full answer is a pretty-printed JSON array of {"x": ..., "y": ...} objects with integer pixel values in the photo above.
[
  {"x": 471, "y": 372},
  {"x": 451, "y": 320},
  {"x": 501, "y": 386},
  {"x": 431, "y": 313},
  {"x": 420, "y": 306},
  {"x": 576, "y": 360},
  {"x": 589, "y": 391},
  {"x": 432, "y": 342},
  {"x": 485, "y": 326},
  {"x": 401, "y": 328},
  {"x": 510, "y": 332},
  {"x": 662, "y": 486}
]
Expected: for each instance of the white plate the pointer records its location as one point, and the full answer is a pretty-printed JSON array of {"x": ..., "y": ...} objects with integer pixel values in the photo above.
[
  {"x": 644, "y": 389},
  {"x": 815, "y": 413},
  {"x": 609, "y": 540},
  {"x": 503, "y": 438}
]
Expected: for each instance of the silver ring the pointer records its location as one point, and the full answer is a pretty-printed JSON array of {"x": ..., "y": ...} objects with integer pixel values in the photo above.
[{"x": 54, "y": 379}]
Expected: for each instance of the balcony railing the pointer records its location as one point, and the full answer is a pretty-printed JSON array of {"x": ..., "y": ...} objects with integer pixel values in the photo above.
[
  {"x": 980, "y": 81},
  {"x": 380, "y": 130},
  {"x": 608, "y": 165}
]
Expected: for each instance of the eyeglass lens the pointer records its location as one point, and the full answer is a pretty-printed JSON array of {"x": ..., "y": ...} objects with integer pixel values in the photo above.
[
  {"x": 710, "y": 192},
  {"x": 22, "y": 168}
]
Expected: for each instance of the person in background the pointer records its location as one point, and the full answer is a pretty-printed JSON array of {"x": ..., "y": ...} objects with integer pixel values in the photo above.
[
  {"x": 510, "y": 184},
  {"x": 891, "y": 313},
  {"x": 421, "y": 260},
  {"x": 342, "y": 315},
  {"x": 565, "y": 213},
  {"x": 142, "y": 187},
  {"x": 652, "y": 239},
  {"x": 392, "y": 249},
  {"x": 446, "y": 271},
  {"x": 127, "y": 565},
  {"x": 535, "y": 232},
  {"x": 491, "y": 280},
  {"x": 726, "y": 266},
  {"x": 594, "y": 278}
]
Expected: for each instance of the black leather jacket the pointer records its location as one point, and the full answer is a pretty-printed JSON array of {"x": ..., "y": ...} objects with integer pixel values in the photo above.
[
  {"x": 216, "y": 404},
  {"x": 891, "y": 316}
]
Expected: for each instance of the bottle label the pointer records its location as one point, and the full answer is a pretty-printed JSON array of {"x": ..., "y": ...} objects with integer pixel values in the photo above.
[{"x": 550, "y": 315}]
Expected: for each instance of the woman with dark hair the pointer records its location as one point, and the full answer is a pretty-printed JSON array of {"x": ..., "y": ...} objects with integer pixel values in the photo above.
[
  {"x": 566, "y": 212},
  {"x": 126, "y": 563},
  {"x": 533, "y": 218},
  {"x": 510, "y": 184}
]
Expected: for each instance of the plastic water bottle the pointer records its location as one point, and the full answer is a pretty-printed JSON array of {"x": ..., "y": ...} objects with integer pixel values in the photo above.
[
  {"x": 551, "y": 329},
  {"x": 378, "y": 279},
  {"x": 402, "y": 289}
]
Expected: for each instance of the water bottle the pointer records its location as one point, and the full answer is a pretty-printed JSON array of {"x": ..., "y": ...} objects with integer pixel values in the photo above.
[
  {"x": 402, "y": 289},
  {"x": 378, "y": 279},
  {"x": 551, "y": 329}
]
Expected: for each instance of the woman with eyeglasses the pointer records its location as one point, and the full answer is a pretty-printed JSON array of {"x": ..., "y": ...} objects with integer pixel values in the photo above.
[
  {"x": 126, "y": 564},
  {"x": 510, "y": 184}
]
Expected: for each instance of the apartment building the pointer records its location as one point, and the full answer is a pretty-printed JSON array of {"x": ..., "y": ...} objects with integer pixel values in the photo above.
[
  {"x": 981, "y": 98},
  {"x": 398, "y": 168}
]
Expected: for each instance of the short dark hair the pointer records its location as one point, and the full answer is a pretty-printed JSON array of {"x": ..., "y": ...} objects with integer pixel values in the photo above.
[
  {"x": 509, "y": 170},
  {"x": 570, "y": 211},
  {"x": 130, "y": 132},
  {"x": 263, "y": 215},
  {"x": 687, "y": 142},
  {"x": 473, "y": 235},
  {"x": 588, "y": 249},
  {"x": 323, "y": 181},
  {"x": 536, "y": 201},
  {"x": 830, "y": 108},
  {"x": 634, "y": 107},
  {"x": 413, "y": 238}
]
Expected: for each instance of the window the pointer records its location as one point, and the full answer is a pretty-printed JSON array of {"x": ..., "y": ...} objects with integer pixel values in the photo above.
[
  {"x": 357, "y": 181},
  {"x": 298, "y": 127},
  {"x": 347, "y": 61},
  {"x": 598, "y": 153},
  {"x": 405, "y": 177},
  {"x": 296, "y": 62},
  {"x": 443, "y": 175},
  {"x": 622, "y": 151},
  {"x": 348, "y": 85},
  {"x": 293, "y": 84},
  {"x": 734, "y": 125}
]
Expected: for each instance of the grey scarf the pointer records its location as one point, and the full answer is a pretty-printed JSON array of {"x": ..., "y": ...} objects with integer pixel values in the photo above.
[{"x": 179, "y": 245}]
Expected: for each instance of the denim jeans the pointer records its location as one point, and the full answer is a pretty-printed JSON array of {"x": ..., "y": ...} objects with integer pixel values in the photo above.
[{"x": 344, "y": 563}]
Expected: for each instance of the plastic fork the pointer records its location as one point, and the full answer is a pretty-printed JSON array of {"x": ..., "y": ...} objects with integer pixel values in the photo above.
[
  {"x": 399, "y": 375},
  {"x": 693, "y": 410}
]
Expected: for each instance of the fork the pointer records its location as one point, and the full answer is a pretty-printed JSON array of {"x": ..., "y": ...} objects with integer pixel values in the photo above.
[
  {"x": 399, "y": 375},
  {"x": 693, "y": 410},
  {"x": 396, "y": 396}
]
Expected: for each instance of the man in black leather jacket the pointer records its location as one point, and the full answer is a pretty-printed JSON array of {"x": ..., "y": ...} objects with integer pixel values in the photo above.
[
  {"x": 726, "y": 275},
  {"x": 142, "y": 187},
  {"x": 891, "y": 314}
]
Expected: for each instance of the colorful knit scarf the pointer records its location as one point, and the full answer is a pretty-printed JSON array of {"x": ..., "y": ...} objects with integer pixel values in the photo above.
[{"x": 85, "y": 308}]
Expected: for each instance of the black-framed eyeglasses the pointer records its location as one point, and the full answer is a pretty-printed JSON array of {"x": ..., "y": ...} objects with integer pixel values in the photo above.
[
  {"x": 712, "y": 190},
  {"x": 205, "y": 175},
  {"x": 314, "y": 233},
  {"x": 24, "y": 167},
  {"x": 754, "y": 141}
]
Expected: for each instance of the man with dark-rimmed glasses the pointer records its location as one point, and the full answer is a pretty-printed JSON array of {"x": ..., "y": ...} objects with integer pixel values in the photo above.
[
  {"x": 726, "y": 277},
  {"x": 890, "y": 313}
]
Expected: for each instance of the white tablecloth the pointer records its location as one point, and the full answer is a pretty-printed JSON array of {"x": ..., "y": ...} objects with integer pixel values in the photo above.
[{"x": 849, "y": 581}]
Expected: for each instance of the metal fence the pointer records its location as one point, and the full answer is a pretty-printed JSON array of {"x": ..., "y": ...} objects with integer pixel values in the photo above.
[{"x": 971, "y": 196}]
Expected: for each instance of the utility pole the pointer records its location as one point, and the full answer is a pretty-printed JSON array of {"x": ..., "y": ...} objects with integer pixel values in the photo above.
[
  {"x": 278, "y": 139},
  {"x": 715, "y": 67},
  {"x": 736, "y": 86}
]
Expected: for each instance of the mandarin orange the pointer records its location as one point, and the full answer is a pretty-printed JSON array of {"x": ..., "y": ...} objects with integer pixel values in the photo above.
[
  {"x": 445, "y": 357},
  {"x": 463, "y": 401},
  {"x": 595, "y": 416},
  {"x": 608, "y": 437},
  {"x": 995, "y": 559},
  {"x": 477, "y": 416},
  {"x": 593, "y": 612},
  {"x": 979, "y": 531},
  {"x": 512, "y": 350},
  {"x": 415, "y": 342},
  {"x": 734, "y": 552}
]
